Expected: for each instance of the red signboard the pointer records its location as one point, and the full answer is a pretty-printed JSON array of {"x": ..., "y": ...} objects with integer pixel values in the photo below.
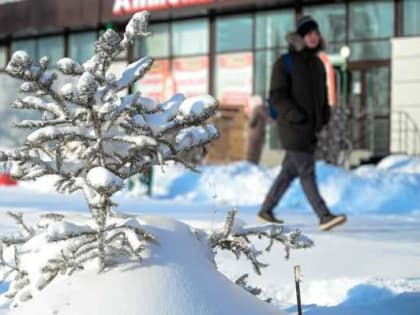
[
  {"x": 191, "y": 75},
  {"x": 153, "y": 84},
  {"x": 234, "y": 78},
  {"x": 121, "y": 7}
]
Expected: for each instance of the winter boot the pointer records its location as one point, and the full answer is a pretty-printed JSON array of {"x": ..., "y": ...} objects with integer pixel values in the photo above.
[
  {"x": 331, "y": 220},
  {"x": 268, "y": 217}
]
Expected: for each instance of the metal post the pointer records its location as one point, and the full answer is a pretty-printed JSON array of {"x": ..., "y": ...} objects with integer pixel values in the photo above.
[{"x": 297, "y": 282}]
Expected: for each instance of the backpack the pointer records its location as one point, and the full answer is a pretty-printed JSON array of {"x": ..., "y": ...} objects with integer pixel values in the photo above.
[{"x": 287, "y": 63}]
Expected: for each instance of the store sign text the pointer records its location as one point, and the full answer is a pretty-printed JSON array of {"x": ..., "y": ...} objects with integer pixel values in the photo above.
[{"x": 130, "y": 6}]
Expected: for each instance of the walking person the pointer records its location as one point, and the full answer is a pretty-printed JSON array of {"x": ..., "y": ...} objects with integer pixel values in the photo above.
[
  {"x": 257, "y": 120},
  {"x": 299, "y": 95}
]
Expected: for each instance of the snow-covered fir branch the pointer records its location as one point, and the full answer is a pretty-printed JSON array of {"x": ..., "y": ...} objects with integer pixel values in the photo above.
[
  {"x": 18, "y": 217},
  {"x": 242, "y": 282},
  {"x": 234, "y": 236},
  {"x": 72, "y": 247}
]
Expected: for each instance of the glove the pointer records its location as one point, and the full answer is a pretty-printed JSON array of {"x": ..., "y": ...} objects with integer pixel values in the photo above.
[{"x": 295, "y": 116}]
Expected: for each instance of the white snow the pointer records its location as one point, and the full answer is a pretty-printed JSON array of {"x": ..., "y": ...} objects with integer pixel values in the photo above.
[
  {"x": 139, "y": 141},
  {"x": 41, "y": 104},
  {"x": 101, "y": 178},
  {"x": 161, "y": 121},
  {"x": 368, "y": 189},
  {"x": 67, "y": 90},
  {"x": 19, "y": 61},
  {"x": 137, "y": 26},
  {"x": 194, "y": 136},
  {"x": 57, "y": 231},
  {"x": 139, "y": 120},
  {"x": 168, "y": 281},
  {"x": 133, "y": 72},
  {"x": 50, "y": 132},
  {"x": 147, "y": 104},
  {"x": 195, "y": 106},
  {"x": 87, "y": 84},
  {"x": 369, "y": 266},
  {"x": 69, "y": 66}
]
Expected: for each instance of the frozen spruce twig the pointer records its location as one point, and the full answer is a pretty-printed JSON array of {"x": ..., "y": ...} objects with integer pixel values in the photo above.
[
  {"x": 25, "y": 234},
  {"x": 235, "y": 237},
  {"x": 242, "y": 282},
  {"x": 93, "y": 139},
  {"x": 18, "y": 217}
]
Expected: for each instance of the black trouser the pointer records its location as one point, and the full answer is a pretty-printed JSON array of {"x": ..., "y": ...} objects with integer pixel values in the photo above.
[{"x": 295, "y": 164}]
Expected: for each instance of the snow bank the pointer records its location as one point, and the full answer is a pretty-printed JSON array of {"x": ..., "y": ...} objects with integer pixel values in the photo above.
[
  {"x": 400, "y": 164},
  {"x": 177, "y": 277},
  {"x": 391, "y": 187},
  {"x": 372, "y": 300}
]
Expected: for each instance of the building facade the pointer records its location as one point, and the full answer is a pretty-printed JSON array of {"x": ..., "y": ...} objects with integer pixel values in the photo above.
[{"x": 222, "y": 47}]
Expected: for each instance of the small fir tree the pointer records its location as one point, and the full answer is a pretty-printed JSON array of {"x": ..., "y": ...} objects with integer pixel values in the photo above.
[{"x": 93, "y": 139}]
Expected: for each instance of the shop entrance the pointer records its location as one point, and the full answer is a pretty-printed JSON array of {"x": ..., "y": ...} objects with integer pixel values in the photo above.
[{"x": 369, "y": 101}]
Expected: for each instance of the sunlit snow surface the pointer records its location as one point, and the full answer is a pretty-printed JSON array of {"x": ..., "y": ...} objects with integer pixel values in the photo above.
[{"x": 369, "y": 266}]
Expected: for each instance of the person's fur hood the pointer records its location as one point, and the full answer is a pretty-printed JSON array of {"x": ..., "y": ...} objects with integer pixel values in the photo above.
[{"x": 296, "y": 42}]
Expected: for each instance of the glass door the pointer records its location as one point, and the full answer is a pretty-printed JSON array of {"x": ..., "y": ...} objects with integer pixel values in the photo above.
[{"x": 369, "y": 97}]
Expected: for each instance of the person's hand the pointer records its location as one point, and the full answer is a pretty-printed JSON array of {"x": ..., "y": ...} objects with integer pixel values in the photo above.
[{"x": 295, "y": 116}]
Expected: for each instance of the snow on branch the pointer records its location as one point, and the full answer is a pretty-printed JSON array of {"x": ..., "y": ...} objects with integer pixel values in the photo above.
[
  {"x": 66, "y": 247},
  {"x": 86, "y": 125},
  {"x": 235, "y": 237},
  {"x": 18, "y": 217},
  {"x": 25, "y": 232}
]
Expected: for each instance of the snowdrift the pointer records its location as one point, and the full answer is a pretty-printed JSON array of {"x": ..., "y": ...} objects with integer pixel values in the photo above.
[
  {"x": 177, "y": 277},
  {"x": 390, "y": 187}
]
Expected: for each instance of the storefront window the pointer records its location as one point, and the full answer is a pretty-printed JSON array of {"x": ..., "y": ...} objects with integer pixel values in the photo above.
[
  {"x": 371, "y": 20},
  {"x": 272, "y": 27},
  {"x": 191, "y": 75},
  {"x": 234, "y": 33},
  {"x": 28, "y": 45},
  {"x": 190, "y": 37},
  {"x": 264, "y": 61},
  {"x": 52, "y": 47},
  {"x": 331, "y": 20},
  {"x": 3, "y": 57},
  {"x": 153, "y": 84},
  {"x": 335, "y": 48},
  {"x": 81, "y": 46},
  {"x": 378, "y": 79},
  {"x": 411, "y": 17},
  {"x": 234, "y": 78},
  {"x": 157, "y": 45},
  {"x": 370, "y": 50}
]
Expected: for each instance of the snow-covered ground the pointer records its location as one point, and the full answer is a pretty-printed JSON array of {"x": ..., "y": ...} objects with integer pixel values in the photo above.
[{"x": 369, "y": 266}]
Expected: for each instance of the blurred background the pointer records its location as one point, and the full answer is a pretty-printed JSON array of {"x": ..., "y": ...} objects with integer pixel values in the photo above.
[{"x": 227, "y": 49}]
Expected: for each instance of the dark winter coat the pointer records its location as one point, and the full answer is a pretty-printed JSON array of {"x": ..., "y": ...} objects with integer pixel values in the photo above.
[
  {"x": 256, "y": 133},
  {"x": 300, "y": 97}
]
